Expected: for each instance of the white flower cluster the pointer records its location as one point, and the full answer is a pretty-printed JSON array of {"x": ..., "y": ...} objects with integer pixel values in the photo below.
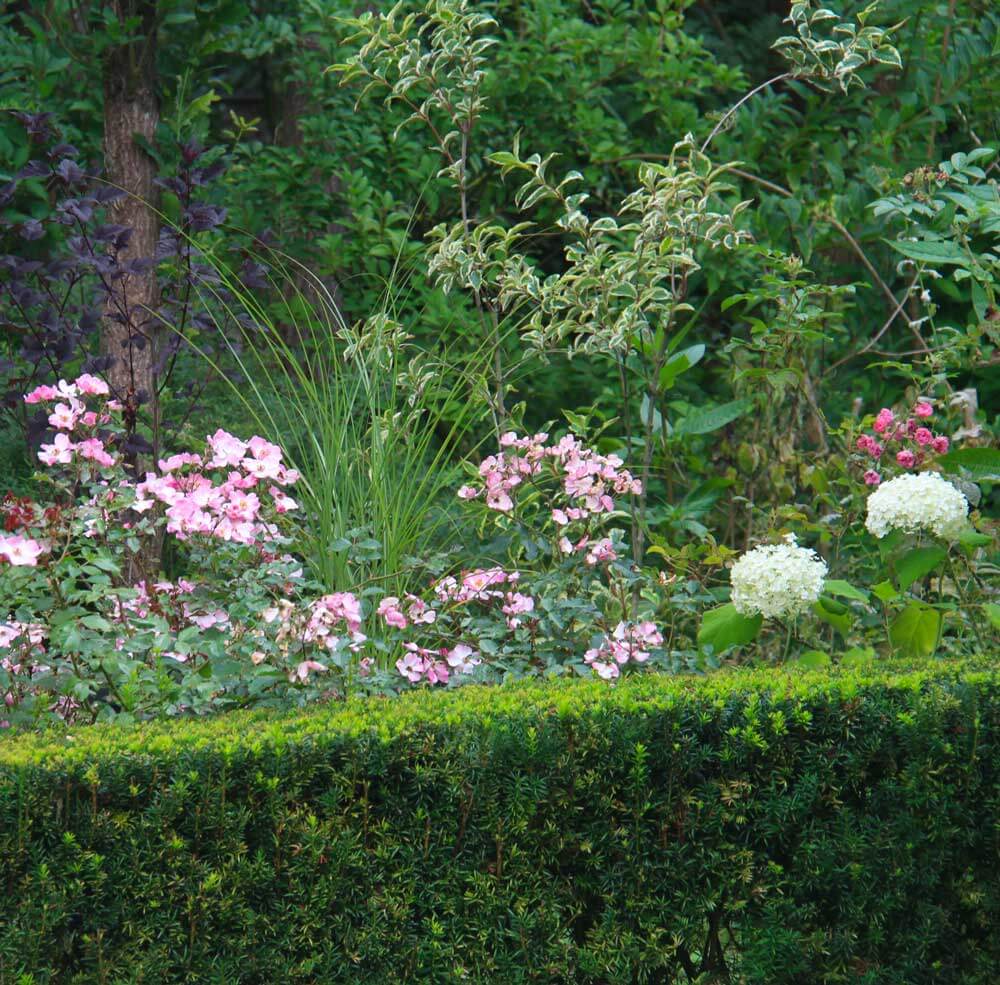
[
  {"x": 777, "y": 579},
  {"x": 923, "y": 501}
]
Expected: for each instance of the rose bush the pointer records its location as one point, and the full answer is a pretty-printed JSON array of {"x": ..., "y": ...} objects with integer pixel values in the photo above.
[{"x": 83, "y": 641}]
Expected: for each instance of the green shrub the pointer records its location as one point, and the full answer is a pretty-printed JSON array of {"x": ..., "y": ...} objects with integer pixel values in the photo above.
[{"x": 759, "y": 827}]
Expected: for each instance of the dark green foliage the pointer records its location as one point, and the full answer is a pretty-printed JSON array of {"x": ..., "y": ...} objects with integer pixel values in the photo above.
[{"x": 812, "y": 829}]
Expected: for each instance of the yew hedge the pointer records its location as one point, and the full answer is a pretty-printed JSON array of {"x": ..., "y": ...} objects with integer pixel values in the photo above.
[{"x": 761, "y": 827}]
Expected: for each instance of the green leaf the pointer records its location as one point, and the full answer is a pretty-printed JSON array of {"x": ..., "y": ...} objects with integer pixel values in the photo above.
[
  {"x": 858, "y": 655},
  {"x": 704, "y": 421},
  {"x": 916, "y": 563},
  {"x": 844, "y": 590},
  {"x": 993, "y": 613},
  {"x": 679, "y": 363},
  {"x": 723, "y": 627},
  {"x": 94, "y": 621},
  {"x": 969, "y": 539},
  {"x": 834, "y": 613},
  {"x": 982, "y": 464},
  {"x": 885, "y": 591},
  {"x": 930, "y": 251},
  {"x": 813, "y": 660},
  {"x": 888, "y": 544},
  {"x": 916, "y": 630}
]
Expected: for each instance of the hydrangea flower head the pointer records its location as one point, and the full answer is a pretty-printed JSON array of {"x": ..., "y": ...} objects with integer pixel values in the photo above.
[
  {"x": 912, "y": 503},
  {"x": 775, "y": 580}
]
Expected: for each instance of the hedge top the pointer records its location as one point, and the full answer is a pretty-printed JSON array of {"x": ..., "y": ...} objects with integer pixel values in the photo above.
[{"x": 472, "y": 705}]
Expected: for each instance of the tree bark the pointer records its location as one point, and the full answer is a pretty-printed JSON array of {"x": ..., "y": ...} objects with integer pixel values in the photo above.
[
  {"x": 129, "y": 328},
  {"x": 131, "y": 108}
]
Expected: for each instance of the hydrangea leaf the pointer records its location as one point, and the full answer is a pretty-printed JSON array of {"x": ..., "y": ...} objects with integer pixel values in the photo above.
[
  {"x": 813, "y": 660},
  {"x": 913, "y": 565},
  {"x": 833, "y": 613},
  {"x": 916, "y": 630},
  {"x": 844, "y": 589},
  {"x": 723, "y": 627}
]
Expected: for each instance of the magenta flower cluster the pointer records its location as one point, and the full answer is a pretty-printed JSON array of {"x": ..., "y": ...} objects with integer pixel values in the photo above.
[
  {"x": 909, "y": 442},
  {"x": 630, "y": 642},
  {"x": 588, "y": 478},
  {"x": 217, "y": 494}
]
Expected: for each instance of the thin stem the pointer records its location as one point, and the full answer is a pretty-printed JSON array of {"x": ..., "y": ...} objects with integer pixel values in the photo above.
[
  {"x": 729, "y": 113},
  {"x": 963, "y": 602},
  {"x": 788, "y": 641}
]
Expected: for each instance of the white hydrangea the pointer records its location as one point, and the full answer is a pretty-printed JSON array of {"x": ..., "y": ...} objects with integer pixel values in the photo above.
[
  {"x": 777, "y": 580},
  {"x": 923, "y": 501}
]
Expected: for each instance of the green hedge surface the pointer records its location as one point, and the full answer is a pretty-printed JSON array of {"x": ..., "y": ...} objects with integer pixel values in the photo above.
[{"x": 762, "y": 827}]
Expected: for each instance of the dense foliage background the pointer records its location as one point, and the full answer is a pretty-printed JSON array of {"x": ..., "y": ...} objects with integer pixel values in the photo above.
[
  {"x": 711, "y": 238},
  {"x": 603, "y": 84}
]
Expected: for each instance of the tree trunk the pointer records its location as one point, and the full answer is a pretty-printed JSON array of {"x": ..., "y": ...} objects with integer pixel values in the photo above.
[{"x": 129, "y": 329}]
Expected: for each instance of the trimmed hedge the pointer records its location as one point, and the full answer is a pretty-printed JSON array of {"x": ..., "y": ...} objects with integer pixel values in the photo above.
[{"x": 762, "y": 827}]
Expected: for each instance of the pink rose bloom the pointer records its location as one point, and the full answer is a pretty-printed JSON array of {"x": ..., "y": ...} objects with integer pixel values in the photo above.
[
  {"x": 209, "y": 619},
  {"x": 227, "y": 450},
  {"x": 906, "y": 458},
  {"x": 265, "y": 462},
  {"x": 242, "y": 507},
  {"x": 923, "y": 436},
  {"x": 872, "y": 478},
  {"x": 64, "y": 417},
  {"x": 175, "y": 462},
  {"x": 302, "y": 671},
  {"x": 411, "y": 666},
  {"x": 91, "y": 385},
  {"x": 940, "y": 444},
  {"x": 517, "y": 605},
  {"x": 923, "y": 409},
  {"x": 477, "y": 582},
  {"x": 41, "y": 394},
  {"x": 390, "y": 611},
  {"x": 607, "y": 670},
  {"x": 282, "y": 503},
  {"x": 499, "y": 500},
  {"x": 60, "y": 452},
  {"x": 21, "y": 551},
  {"x": 419, "y": 611},
  {"x": 343, "y": 605},
  {"x": 883, "y": 419},
  {"x": 468, "y": 492},
  {"x": 437, "y": 671},
  {"x": 601, "y": 552},
  {"x": 463, "y": 659},
  {"x": 93, "y": 450}
]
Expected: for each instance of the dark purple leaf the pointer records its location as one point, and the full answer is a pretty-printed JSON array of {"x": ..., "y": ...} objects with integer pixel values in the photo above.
[
  {"x": 32, "y": 229},
  {"x": 35, "y": 169},
  {"x": 70, "y": 171}
]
